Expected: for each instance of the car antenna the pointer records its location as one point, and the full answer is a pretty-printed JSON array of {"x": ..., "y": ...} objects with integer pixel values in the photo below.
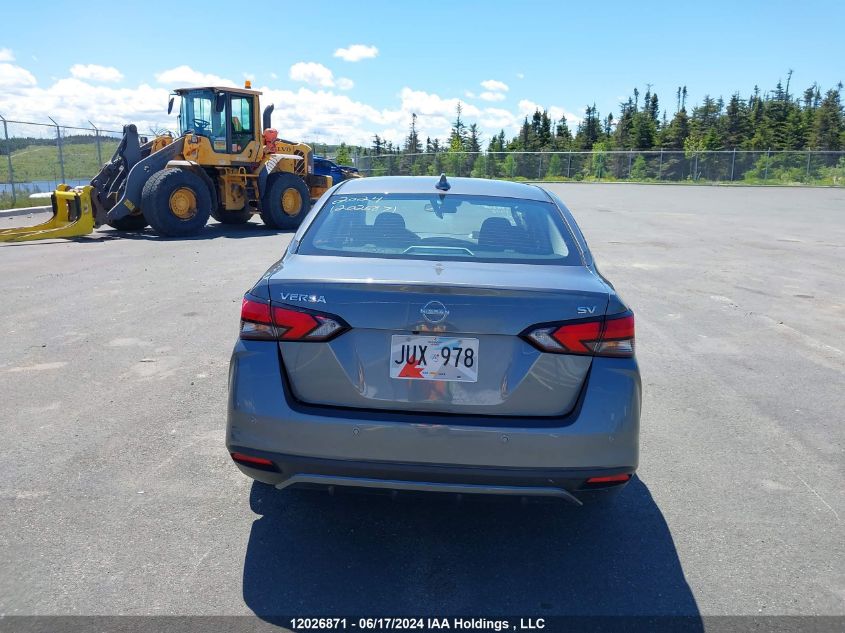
[{"x": 443, "y": 184}]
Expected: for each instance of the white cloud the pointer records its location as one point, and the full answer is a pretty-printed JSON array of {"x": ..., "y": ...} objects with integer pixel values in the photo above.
[
  {"x": 497, "y": 119},
  {"x": 423, "y": 102},
  {"x": 356, "y": 52},
  {"x": 520, "y": 76},
  {"x": 306, "y": 113},
  {"x": 492, "y": 96},
  {"x": 469, "y": 94},
  {"x": 273, "y": 76},
  {"x": 494, "y": 85},
  {"x": 312, "y": 73},
  {"x": 96, "y": 72},
  {"x": 185, "y": 76},
  {"x": 344, "y": 83},
  {"x": 14, "y": 78},
  {"x": 6, "y": 55},
  {"x": 73, "y": 101},
  {"x": 310, "y": 114}
]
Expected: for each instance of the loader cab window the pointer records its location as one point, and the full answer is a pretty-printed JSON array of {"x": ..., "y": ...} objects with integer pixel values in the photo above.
[
  {"x": 198, "y": 115},
  {"x": 243, "y": 122}
]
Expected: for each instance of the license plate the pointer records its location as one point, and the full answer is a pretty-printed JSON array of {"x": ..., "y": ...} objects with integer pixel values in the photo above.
[{"x": 434, "y": 358}]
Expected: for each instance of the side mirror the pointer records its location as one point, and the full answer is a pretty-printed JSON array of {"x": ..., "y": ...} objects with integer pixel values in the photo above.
[
  {"x": 220, "y": 102},
  {"x": 170, "y": 106}
]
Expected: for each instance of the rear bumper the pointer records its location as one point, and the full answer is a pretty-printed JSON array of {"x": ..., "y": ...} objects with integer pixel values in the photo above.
[
  {"x": 330, "y": 446},
  {"x": 291, "y": 470}
]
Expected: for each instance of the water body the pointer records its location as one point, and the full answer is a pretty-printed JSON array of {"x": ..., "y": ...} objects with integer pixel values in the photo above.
[{"x": 38, "y": 186}]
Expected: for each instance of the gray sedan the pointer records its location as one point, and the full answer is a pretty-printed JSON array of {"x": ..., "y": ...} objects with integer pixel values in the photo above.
[{"x": 448, "y": 335}]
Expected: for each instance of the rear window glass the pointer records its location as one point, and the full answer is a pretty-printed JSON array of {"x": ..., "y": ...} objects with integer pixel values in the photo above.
[{"x": 450, "y": 227}]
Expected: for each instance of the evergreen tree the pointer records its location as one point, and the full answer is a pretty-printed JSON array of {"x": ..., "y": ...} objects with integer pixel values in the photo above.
[
  {"x": 555, "y": 169},
  {"x": 829, "y": 126},
  {"x": 342, "y": 157},
  {"x": 736, "y": 123},
  {"x": 458, "y": 135},
  {"x": 412, "y": 141},
  {"x": 589, "y": 130},
  {"x": 563, "y": 137},
  {"x": 473, "y": 144}
]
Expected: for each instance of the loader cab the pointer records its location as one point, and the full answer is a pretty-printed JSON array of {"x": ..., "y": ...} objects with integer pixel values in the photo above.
[{"x": 227, "y": 117}]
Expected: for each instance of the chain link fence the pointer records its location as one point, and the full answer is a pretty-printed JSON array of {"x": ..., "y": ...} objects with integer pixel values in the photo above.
[
  {"x": 748, "y": 167},
  {"x": 36, "y": 157}
]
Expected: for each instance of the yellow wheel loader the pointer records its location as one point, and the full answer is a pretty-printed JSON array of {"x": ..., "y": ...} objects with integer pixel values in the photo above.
[{"x": 227, "y": 163}]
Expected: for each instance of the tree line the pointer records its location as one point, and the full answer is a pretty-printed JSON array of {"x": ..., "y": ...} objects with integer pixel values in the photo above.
[{"x": 771, "y": 121}]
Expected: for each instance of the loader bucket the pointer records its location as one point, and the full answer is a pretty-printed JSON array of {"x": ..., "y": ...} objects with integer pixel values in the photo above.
[{"x": 73, "y": 215}]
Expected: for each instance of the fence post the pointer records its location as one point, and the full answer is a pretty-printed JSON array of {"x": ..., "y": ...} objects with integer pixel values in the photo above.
[
  {"x": 59, "y": 145},
  {"x": 660, "y": 166},
  {"x": 695, "y": 168},
  {"x": 540, "y": 167},
  {"x": 630, "y": 156},
  {"x": 733, "y": 162},
  {"x": 766, "y": 175},
  {"x": 809, "y": 156},
  {"x": 9, "y": 157},
  {"x": 99, "y": 151},
  {"x": 569, "y": 164}
]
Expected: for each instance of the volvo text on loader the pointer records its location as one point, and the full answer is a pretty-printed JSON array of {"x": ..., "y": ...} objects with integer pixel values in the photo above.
[{"x": 227, "y": 163}]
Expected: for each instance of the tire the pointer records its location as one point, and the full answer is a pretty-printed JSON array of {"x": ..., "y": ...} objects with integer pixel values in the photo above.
[
  {"x": 176, "y": 202},
  {"x": 285, "y": 190},
  {"x": 130, "y": 223},
  {"x": 231, "y": 217}
]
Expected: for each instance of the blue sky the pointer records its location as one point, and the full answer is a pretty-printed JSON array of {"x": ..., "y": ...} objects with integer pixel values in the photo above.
[{"x": 114, "y": 62}]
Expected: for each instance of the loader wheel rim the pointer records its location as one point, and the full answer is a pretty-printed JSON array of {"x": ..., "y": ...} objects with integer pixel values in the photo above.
[
  {"x": 291, "y": 201},
  {"x": 183, "y": 203}
]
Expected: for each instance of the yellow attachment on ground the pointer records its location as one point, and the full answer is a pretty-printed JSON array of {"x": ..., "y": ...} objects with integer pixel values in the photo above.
[{"x": 73, "y": 215}]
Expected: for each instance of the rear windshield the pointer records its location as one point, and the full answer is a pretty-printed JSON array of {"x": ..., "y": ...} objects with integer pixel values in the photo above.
[{"x": 449, "y": 227}]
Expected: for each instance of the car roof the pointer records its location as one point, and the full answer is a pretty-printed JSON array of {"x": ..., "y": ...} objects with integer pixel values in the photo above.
[{"x": 459, "y": 186}]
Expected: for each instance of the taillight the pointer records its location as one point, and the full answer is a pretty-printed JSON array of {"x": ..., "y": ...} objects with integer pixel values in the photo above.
[
  {"x": 610, "y": 336},
  {"x": 610, "y": 479},
  {"x": 256, "y": 322},
  {"x": 255, "y": 462},
  {"x": 296, "y": 325},
  {"x": 267, "y": 321}
]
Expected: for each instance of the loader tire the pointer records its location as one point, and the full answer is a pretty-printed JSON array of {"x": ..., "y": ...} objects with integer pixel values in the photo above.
[
  {"x": 130, "y": 224},
  {"x": 176, "y": 202},
  {"x": 286, "y": 203},
  {"x": 232, "y": 217}
]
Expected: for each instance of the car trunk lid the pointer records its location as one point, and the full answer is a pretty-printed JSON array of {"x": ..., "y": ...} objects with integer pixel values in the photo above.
[{"x": 483, "y": 304}]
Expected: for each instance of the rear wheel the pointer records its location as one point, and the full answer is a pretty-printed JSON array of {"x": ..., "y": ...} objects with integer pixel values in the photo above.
[
  {"x": 232, "y": 217},
  {"x": 176, "y": 202},
  {"x": 130, "y": 223},
  {"x": 286, "y": 203}
]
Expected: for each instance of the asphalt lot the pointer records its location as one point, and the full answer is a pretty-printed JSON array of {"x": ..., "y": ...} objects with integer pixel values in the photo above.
[{"x": 117, "y": 495}]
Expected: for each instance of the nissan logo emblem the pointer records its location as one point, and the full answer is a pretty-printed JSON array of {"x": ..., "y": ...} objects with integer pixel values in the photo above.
[{"x": 434, "y": 312}]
